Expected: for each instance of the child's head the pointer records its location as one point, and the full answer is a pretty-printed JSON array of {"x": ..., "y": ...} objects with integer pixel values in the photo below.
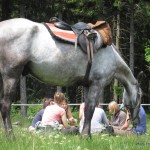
[
  {"x": 59, "y": 97},
  {"x": 47, "y": 101},
  {"x": 113, "y": 107},
  {"x": 64, "y": 104}
]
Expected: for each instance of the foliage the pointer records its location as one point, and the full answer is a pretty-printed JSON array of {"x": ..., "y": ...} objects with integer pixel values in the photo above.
[
  {"x": 79, "y": 12},
  {"x": 32, "y": 110},
  {"x": 118, "y": 90},
  {"x": 147, "y": 52}
]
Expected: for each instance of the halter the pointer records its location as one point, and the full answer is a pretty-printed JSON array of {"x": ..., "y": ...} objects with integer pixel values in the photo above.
[
  {"x": 132, "y": 108},
  {"x": 129, "y": 107}
]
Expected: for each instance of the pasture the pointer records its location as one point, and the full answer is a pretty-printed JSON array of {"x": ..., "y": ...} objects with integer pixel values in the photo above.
[{"x": 35, "y": 141}]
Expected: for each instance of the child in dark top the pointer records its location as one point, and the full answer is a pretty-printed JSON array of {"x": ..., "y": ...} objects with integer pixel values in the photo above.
[
  {"x": 141, "y": 127},
  {"x": 125, "y": 128},
  {"x": 38, "y": 116}
]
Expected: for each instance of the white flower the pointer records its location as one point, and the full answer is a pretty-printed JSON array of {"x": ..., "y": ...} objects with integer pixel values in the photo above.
[{"x": 78, "y": 148}]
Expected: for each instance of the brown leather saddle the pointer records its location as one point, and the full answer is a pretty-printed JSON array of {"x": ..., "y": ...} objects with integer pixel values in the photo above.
[{"x": 83, "y": 35}]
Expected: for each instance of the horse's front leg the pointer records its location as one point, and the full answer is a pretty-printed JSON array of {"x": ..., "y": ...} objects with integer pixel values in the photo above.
[
  {"x": 90, "y": 103},
  {"x": 9, "y": 90}
]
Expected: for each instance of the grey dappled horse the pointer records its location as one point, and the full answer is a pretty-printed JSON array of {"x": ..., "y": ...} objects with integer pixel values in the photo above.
[{"x": 28, "y": 47}]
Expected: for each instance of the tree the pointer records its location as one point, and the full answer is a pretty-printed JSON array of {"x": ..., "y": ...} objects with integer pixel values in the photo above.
[
  {"x": 6, "y": 9},
  {"x": 147, "y": 53},
  {"x": 116, "y": 84},
  {"x": 132, "y": 36},
  {"x": 23, "y": 93}
]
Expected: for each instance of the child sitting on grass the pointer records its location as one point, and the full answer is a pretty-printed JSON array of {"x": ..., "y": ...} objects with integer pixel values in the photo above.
[{"x": 38, "y": 116}]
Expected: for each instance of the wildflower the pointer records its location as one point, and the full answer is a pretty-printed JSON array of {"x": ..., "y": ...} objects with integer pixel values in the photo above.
[
  {"x": 78, "y": 148},
  {"x": 60, "y": 143},
  {"x": 56, "y": 136}
]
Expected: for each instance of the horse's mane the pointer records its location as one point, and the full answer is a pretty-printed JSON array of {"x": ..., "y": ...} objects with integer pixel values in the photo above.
[{"x": 116, "y": 49}]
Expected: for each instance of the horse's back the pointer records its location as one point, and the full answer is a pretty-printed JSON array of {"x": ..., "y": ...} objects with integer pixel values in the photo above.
[
  {"x": 9, "y": 29},
  {"x": 16, "y": 21}
]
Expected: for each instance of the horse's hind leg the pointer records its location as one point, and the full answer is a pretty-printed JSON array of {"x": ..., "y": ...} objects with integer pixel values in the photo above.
[
  {"x": 9, "y": 85},
  {"x": 1, "y": 95}
]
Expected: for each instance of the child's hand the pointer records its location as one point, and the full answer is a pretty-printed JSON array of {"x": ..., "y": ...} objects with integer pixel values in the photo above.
[{"x": 72, "y": 120}]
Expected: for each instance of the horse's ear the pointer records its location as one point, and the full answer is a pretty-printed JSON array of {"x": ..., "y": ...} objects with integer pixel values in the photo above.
[
  {"x": 140, "y": 77},
  {"x": 140, "y": 92}
]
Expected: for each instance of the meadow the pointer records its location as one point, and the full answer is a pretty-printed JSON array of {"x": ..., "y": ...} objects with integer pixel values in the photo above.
[{"x": 37, "y": 141}]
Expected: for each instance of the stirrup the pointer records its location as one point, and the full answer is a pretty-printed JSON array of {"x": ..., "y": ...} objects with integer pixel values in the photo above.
[{"x": 90, "y": 35}]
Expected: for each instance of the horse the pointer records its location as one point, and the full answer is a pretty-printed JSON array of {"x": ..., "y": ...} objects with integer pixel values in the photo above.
[{"x": 26, "y": 47}]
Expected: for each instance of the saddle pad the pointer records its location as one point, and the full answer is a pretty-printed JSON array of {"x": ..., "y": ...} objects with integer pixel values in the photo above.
[
  {"x": 62, "y": 34},
  {"x": 103, "y": 28}
]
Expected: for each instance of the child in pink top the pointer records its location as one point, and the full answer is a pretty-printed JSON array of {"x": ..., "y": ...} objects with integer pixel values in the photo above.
[
  {"x": 55, "y": 112},
  {"x": 52, "y": 113}
]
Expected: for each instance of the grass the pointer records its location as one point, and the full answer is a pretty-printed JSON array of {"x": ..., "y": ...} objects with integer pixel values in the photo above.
[{"x": 35, "y": 141}]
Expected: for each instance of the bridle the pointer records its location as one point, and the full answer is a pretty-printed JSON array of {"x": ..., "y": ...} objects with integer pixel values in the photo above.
[
  {"x": 129, "y": 107},
  {"x": 132, "y": 108}
]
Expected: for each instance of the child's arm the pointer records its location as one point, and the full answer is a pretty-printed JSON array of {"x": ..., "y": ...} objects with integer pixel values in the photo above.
[
  {"x": 69, "y": 116},
  {"x": 127, "y": 122}
]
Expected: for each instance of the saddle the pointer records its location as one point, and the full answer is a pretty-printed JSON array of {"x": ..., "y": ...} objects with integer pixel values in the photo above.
[
  {"x": 84, "y": 35},
  {"x": 102, "y": 27}
]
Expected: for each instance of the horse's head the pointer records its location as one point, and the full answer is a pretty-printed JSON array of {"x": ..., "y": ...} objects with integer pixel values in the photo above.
[{"x": 132, "y": 101}]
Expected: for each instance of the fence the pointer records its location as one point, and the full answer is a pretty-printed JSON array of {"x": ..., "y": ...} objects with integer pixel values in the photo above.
[{"x": 68, "y": 104}]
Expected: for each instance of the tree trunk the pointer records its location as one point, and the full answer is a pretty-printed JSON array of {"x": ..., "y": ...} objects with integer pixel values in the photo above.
[
  {"x": 132, "y": 37},
  {"x": 23, "y": 94},
  {"x": 59, "y": 89},
  {"x": 117, "y": 45}
]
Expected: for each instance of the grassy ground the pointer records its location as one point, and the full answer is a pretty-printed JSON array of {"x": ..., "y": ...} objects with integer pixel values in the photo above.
[{"x": 27, "y": 141}]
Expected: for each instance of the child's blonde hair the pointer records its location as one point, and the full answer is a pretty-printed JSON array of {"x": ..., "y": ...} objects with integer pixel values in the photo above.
[{"x": 114, "y": 107}]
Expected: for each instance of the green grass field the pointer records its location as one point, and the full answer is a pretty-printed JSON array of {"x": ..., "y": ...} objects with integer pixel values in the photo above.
[{"x": 35, "y": 141}]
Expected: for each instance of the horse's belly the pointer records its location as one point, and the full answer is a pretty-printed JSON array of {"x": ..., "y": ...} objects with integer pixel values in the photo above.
[{"x": 63, "y": 75}]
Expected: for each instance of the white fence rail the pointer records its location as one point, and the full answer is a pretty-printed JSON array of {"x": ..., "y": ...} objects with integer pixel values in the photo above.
[{"x": 68, "y": 104}]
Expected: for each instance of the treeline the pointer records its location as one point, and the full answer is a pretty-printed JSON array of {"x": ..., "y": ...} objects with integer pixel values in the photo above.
[{"x": 130, "y": 24}]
